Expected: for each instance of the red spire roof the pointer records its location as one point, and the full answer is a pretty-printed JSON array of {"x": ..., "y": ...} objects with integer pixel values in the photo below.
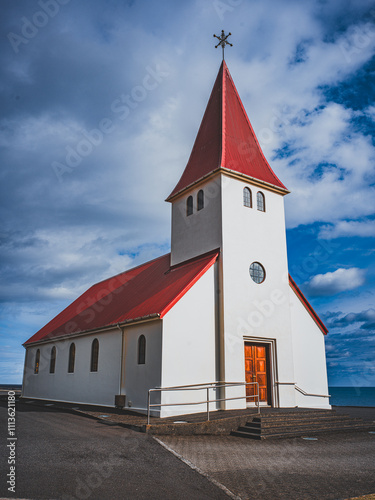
[{"x": 226, "y": 140}]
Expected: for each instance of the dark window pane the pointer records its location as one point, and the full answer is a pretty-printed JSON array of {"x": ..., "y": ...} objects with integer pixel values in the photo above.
[
  {"x": 37, "y": 359},
  {"x": 72, "y": 355},
  {"x": 94, "y": 355},
  {"x": 260, "y": 202},
  {"x": 142, "y": 350},
  {"x": 189, "y": 205},
  {"x": 52, "y": 362},
  {"x": 200, "y": 200},
  {"x": 257, "y": 272},
  {"x": 247, "y": 197}
]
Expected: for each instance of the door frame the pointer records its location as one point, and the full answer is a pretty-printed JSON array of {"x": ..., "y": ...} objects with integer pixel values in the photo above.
[{"x": 271, "y": 369}]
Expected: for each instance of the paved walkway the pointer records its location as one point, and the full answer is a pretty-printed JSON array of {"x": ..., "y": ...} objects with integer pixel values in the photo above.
[
  {"x": 334, "y": 466},
  {"x": 337, "y": 466}
]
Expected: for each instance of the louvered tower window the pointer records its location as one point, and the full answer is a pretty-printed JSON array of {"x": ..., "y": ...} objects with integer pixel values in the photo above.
[
  {"x": 247, "y": 197},
  {"x": 189, "y": 205},
  {"x": 200, "y": 199},
  {"x": 261, "y": 206}
]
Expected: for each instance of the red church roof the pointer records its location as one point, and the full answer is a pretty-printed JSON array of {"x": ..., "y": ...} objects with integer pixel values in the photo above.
[
  {"x": 226, "y": 140},
  {"x": 147, "y": 291}
]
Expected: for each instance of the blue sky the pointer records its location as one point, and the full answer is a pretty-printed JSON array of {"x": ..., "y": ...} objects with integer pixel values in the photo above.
[{"x": 139, "y": 74}]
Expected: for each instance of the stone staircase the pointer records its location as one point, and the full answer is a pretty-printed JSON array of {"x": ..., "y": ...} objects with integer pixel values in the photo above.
[{"x": 299, "y": 423}]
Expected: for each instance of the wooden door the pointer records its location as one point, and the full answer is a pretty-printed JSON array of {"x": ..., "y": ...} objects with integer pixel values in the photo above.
[{"x": 256, "y": 370}]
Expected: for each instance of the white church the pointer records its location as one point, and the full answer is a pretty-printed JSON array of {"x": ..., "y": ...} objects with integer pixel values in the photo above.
[{"x": 221, "y": 307}]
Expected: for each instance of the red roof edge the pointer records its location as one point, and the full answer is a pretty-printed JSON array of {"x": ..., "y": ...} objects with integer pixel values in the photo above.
[
  {"x": 308, "y": 306},
  {"x": 192, "y": 282}
]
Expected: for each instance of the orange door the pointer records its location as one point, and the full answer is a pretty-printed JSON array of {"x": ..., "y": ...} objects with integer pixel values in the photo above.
[{"x": 256, "y": 370}]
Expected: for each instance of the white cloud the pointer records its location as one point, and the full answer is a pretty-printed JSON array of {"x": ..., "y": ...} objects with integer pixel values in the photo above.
[
  {"x": 370, "y": 112},
  {"x": 335, "y": 282},
  {"x": 348, "y": 228}
]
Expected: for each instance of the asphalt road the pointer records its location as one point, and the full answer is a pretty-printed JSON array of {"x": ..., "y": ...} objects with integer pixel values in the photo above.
[{"x": 61, "y": 455}]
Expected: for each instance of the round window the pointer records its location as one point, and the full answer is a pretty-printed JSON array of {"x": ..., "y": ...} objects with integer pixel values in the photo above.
[{"x": 257, "y": 272}]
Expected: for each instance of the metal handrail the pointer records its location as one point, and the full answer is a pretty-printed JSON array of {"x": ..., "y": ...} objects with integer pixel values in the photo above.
[
  {"x": 302, "y": 391},
  {"x": 314, "y": 395},
  {"x": 199, "y": 387}
]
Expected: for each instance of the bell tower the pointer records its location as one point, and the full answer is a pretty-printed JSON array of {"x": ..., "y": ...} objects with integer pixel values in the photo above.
[
  {"x": 225, "y": 149},
  {"x": 229, "y": 198}
]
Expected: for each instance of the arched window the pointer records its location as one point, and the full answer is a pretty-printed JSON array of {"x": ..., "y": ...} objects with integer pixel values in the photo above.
[
  {"x": 260, "y": 202},
  {"x": 189, "y": 205},
  {"x": 247, "y": 197},
  {"x": 94, "y": 355},
  {"x": 37, "y": 360},
  {"x": 142, "y": 350},
  {"x": 52, "y": 361},
  {"x": 200, "y": 199},
  {"x": 72, "y": 357}
]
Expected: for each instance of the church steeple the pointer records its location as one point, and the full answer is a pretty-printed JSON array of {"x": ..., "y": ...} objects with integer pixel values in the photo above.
[{"x": 226, "y": 142}]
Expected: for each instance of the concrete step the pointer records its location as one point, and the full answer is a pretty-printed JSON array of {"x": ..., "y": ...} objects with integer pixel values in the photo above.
[
  {"x": 294, "y": 424},
  {"x": 269, "y": 412},
  {"x": 249, "y": 435},
  {"x": 294, "y": 416},
  {"x": 296, "y": 433},
  {"x": 303, "y": 422},
  {"x": 304, "y": 428}
]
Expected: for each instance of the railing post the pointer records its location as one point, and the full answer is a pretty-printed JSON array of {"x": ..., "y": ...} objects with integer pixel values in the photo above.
[
  {"x": 258, "y": 396},
  {"x": 208, "y": 404},
  {"x": 148, "y": 408}
]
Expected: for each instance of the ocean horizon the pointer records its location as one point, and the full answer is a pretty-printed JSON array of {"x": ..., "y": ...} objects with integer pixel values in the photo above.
[{"x": 352, "y": 396}]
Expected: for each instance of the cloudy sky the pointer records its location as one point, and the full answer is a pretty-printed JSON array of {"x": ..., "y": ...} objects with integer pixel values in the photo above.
[{"x": 100, "y": 104}]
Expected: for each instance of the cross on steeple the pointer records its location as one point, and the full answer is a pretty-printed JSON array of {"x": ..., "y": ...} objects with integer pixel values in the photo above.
[{"x": 223, "y": 41}]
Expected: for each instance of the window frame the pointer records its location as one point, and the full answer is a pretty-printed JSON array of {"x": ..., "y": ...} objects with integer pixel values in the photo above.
[
  {"x": 189, "y": 206},
  {"x": 261, "y": 202},
  {"x": 141, "y": 350},
  {"x": 52, "y": 361},
  {"x": 94, "y": 363},
  {"x": 200, "y": 200},
  {"x": 254, "y": 275},
  {"x": 72, "y": 357},
  {"x": 37, "y": 362},
  {"x": 247, "y": 198}
]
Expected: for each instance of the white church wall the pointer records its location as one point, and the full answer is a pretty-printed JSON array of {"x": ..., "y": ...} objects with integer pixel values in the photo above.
[
  {"x": 189, "y": 346},
  {"x": 139, "y": 378},
  {"x": 309, "y": 359},
  {"x": 82, "y": 385},
  {"x": 200, "y": 232},
  {"x": 251, "y": 310}
]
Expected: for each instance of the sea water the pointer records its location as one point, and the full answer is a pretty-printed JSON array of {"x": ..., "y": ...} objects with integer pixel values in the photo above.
[{"x": 352, "y": 396}]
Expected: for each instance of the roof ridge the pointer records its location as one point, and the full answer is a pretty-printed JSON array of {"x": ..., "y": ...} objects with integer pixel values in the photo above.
[
  {"x": 223, "y": 114},
  {"x": 131, "y": 269}
]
